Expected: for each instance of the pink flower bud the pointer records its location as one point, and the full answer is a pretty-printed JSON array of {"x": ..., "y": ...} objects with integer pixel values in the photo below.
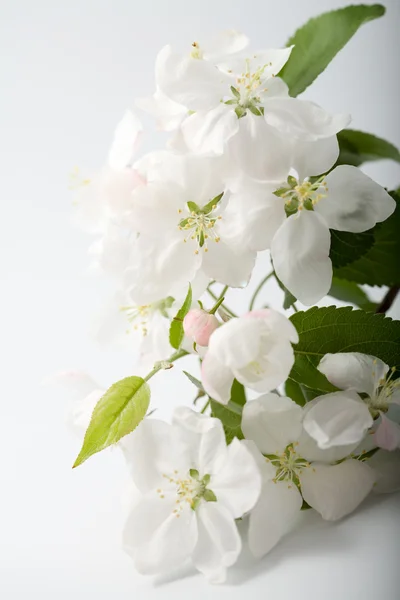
[{"x": 199, "y": 325}]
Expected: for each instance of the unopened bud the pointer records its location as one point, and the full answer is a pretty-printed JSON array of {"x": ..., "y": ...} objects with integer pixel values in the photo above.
[{"x": 199, "y": 325}]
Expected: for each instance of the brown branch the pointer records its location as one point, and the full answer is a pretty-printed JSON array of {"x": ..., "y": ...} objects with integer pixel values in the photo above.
[{"x": 388, "y": 300}]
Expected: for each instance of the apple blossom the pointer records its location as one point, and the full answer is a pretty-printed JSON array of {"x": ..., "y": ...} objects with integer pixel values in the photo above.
[
  {"x": 330, "y": 423},
  {"x": 256, "y": 349},
  {"x": 294, "y": 468},
  {"x": 293, "y": 218},
  {"x": 199, "y": 325},
  {"x": 193, "y": 487}
]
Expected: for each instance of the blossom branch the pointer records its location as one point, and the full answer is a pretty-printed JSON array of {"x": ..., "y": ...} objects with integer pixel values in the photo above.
[{"x": 388, "y": 300}]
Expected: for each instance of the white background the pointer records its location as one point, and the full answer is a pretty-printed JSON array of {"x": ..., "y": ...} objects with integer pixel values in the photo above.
[{"x": 68, "y": 70}]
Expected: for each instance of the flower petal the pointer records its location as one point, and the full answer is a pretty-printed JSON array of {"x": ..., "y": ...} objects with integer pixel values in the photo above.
[
  {"x": 228, "y": 264},
  {"x": 272, "y": 422},
  {"x": 225, "y": 42},
  {"x": 217, "y": 379},
  {"x": 207, "y": 132},
  {"x": 125, "y": 140},
  {"x": 300, "y": 253},
  {"x": 354, "y": 202},
  {"x": 272, "y": 516},
  {"x": 168, "y": 114},
  {"x": 335, "y": 491},
  {"x": 219, "y": 543},
  {"x": 386, "y": 466},
  {"x": 308, "y": 448},
  {"x": 236, "y": 343},
  {"x": 314, "y": 158},
  {"x": 387, "y": 435},
  {"x": 237, "y": 484},
  {"x": 168, "y": 539},
  {"x": 338, "y": 419},
  {"x": 353, "y": 370}
]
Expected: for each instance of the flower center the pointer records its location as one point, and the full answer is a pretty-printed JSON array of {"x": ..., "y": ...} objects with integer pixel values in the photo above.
[
  {"x": 246, "y": 93},
  {"x": 189, "y": 489},
  {"x": 200, "y": 225},
  {"x": 138, "y": 316},
  {"x": 301, "y": 195},
  {"x": 77, "y": 180},
  {"x": 288, "y": 465},
  {"x": 380, "y": 401},
  {"x": 196, "y": 51}
]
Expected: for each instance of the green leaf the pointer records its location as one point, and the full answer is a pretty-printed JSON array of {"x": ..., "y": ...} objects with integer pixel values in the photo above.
[
  {"x": 238, "y": 393},
  {"x": 210, "y": 206},
  {"x": 116, "y": 414},
  {"x": 230, "y": 414},
  {"x": 380, "y": 264},
  {"x": 319, "y": 40},
  {"x": 195, "y": 381},
  {"x": 348, "y": 291},
  {"x": 288, "y": 299},
  {"x": 331, "y": 329},
  {"x": 358, "y": 147},
  {"x": 293, "y": 390},
  {"x": 347, "y": 247},
  {"x": 176, "y": 332}
]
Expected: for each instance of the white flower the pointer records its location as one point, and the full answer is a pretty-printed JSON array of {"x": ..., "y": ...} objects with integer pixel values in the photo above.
[
  {"x": 192, "y": 487},
  {"x": 256, "y": 349},
  {"x": 178, "y": 215},
  {"x": 293, "y": 469},
  {"x": 106, "y": 196},
  {"x": 331, "y": 423},
  {"x": 293, "y": 218},
  {"x": 236, "y": 104}
]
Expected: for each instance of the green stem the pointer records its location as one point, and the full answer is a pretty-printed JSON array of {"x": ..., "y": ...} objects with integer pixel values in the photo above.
[
  {"x": 219, "y": 301},
  {"x": 259, "y": 288},
  {"x": 207, "y": 404},
  {"x": 295, "y": 308},
  {"x": 226, "y": 309},
  {"x": 160, "y": 365}
]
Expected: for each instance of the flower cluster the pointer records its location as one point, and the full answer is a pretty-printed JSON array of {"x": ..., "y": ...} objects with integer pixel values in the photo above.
[{"x": 247, "y": 168}]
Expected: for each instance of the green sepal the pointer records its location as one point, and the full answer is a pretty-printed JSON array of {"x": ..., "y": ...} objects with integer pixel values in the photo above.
[
  {"x": 176, "y": 333},
  {"x": 210, "y": 206},
  {"x": 209, "y": 496}
]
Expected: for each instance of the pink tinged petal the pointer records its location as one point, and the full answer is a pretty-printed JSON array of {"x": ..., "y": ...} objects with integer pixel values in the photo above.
[
  {"x": 273, "y": 516},
  {"x": 314, "y": 158},
  {"x": 167, "y": 539},
  {"x": 207, "y": 132},
  {"x": 300, "y": 253},
  {"x": 228, "y": 264},
  {"x": 219, "y": 543},
  {"x": 338, "y": 419},
  {"x": 216, "y": 378},
  {"x": 354, "y": 370},
  {"x": 153, "y": 451},
  {"x": 197, "y": 84},
  {"x": 199, "y": 325},
  {"x": 354, "y": 202},
  {"x": 386, "y": 466},
  {"x": 236, "y": 343},
  {"x": 272, "y": 422},
  {"x": 237, "y": 484},
  {"x": 335, "y": 491},
  {"x": 259, "y": 150},
  {"x": 125, "y": 140},
  {"x": 302, "y": 119},
  {"x": 387, "y": 435}
]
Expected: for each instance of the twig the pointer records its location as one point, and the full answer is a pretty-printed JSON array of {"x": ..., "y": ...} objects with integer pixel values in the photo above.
[{"x": 388, "y": 300}]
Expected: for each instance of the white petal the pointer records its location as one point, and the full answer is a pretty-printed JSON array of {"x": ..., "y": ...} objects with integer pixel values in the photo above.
[
  {"x": 237, "y": 484},
  {"x": 314, "y": 158},
  {"x": 335, "y": 491},
  {"x": 78, "y": 384},
  {"x": 387, "y": 435},
  {"x": 269, "y": 61},
  {"x": 207, "y": 132},
  {"x": 168, "y": 114},
  {"x": 272, "y": 516},
  {"x": 386, "y": 466},
  {"x": 125, "y": 140},
  {"x": 354, "y": 202},
  {"x": 204, "y": 437},
  {"x": 219, "y": 542},
  {"x": 217, "y": 379},
  {"x": 155, "y": 208},
  {"x": 253, "y": 216},
  {"x": 353, "y": 370},
  {"x": 152, "y": 452},
  {"x": 269, "y": 157},
  {"x": 303, "y": 119},
  {"x": 272, "y": 422},
  {"x": 168, "y": 539},
  {"x": 338, "y": 419},
  {"x": 197, "y": 84},
  {"x": 271, "y": 367},
  {"x": 228, "y": 264},
  {"x": 278, "y": 326},
  {"x": 300, "y": 253},
  {"x": 225, "y": 42},
  {"x": 81, "y": 412},
  {"x": 308, "y": 448},
  {"x": 236, "y": 343}
]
